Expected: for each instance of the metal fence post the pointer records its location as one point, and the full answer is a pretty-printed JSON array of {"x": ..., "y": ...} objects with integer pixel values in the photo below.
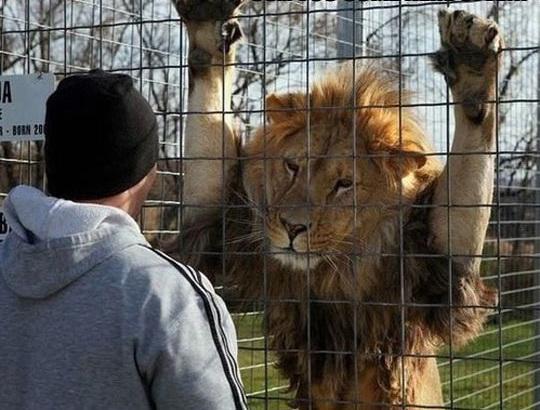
[
  {"x": 537, "y": 252},
  {"x": 349, "y": 29}
]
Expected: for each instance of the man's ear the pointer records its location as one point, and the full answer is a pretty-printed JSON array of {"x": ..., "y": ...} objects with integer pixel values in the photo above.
[{"x": 286, "y": 106}]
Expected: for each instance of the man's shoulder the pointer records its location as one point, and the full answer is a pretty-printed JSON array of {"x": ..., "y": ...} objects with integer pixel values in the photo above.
[
  {"x": 148, "y": 266},
  {"x": 145, "y": 272},
  {"x": 154, "y": 288}
]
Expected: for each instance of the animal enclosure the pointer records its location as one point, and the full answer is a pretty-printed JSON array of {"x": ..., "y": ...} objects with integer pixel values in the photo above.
[{"x": 288, "y": 45}]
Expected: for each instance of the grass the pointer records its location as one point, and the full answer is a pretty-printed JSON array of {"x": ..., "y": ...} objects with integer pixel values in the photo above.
[{"x": 471, "y": 380}]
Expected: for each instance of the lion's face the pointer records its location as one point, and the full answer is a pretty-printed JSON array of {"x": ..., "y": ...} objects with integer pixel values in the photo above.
[
  {"x": 313, "y": 205},
  {"x": 327, "y": 187}
]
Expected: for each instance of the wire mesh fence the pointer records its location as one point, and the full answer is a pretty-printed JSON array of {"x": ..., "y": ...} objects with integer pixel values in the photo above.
[{"x": 286, "y": 47}]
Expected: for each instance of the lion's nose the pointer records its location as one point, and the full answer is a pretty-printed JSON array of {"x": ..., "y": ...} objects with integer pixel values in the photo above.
[{"x": 293, "y": 230}]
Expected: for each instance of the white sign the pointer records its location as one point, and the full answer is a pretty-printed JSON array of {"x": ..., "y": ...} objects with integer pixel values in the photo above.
[
  {"x": 4, "y": 228},
  {"x": 22, "y": 105}
]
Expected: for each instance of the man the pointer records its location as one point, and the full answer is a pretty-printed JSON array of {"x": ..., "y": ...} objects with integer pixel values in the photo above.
[{"x": 91, "y": 316}]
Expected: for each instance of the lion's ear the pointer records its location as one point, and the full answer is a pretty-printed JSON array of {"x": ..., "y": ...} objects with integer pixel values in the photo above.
[
  {"x": 399, "y": 161},
  {"x": 283, "y": 107}
]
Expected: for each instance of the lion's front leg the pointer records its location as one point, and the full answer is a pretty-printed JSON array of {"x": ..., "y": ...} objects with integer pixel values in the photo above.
[
  {"x": 209, "y": 138},
  {"x": 469, "y": 60}
]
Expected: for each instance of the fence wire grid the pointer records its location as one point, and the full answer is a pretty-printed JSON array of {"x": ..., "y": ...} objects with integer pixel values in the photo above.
[{"x": 287, "y": 45}]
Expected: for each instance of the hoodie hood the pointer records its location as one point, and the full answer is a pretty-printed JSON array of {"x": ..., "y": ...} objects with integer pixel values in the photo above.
[{"x": 53, "y": 241}]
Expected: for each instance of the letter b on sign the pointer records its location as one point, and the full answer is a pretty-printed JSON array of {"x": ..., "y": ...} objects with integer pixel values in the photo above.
[{"x": 4, "y": 227}]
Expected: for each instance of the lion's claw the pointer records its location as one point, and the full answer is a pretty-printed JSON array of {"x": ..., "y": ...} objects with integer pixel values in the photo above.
[
  {"x": 230, "y": 33},
  {"x": 207, "y": 10}
]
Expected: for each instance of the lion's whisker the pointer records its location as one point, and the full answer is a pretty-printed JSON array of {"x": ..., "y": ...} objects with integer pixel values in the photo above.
[{"x": 254, "y": 236}]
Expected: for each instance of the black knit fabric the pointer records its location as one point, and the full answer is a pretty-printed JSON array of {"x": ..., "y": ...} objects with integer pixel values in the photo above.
[{"x": 100, "y": 136}]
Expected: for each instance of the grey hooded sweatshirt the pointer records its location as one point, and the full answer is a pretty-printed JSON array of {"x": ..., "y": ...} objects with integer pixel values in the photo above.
[{"x": 91, "y": 317}]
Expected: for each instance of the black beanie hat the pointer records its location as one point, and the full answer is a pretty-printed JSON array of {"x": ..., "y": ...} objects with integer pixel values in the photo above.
[{"x": 100, "y": 136}]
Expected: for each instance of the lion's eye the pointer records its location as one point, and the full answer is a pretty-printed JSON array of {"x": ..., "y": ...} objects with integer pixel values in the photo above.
[
  {"x": 291, "y": 167},
  {"x": 343, "y": 185}
]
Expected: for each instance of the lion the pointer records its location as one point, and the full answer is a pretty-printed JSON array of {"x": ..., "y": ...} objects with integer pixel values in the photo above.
[{"x": 336, "y": 216}]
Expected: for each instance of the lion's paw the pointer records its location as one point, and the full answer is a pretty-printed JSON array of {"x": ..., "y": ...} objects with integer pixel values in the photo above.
[
  {"x": 467, "y": 40},
  {"x": 211, "y": 25},
  {"x": 464, "y": 31},
  {"x": 207, "y": 10}
]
